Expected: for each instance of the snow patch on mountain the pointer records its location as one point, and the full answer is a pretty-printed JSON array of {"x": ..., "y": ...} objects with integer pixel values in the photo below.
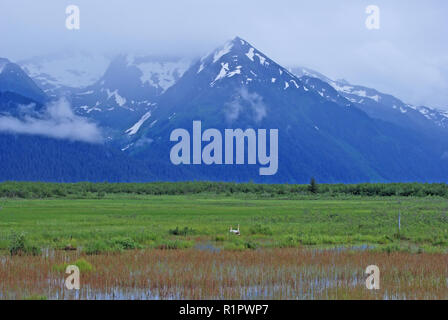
[
  {"x": 295, "y": 83},
  {"x": 85, "y": 93},
  {"x": 341, "y": 88},
  {"x": 158, "y": 71},
  {"x": 134, "y": 129},
  {"x": 223, "y": 51},
  {"x": 438, "y": 116},
  {"x": 234, "y": 72},
  {"x": 222, "y": 73},
  {"x": 127, "y": 147},
  {"x": 162, "y": 75},
  {"x": 118, "y": 99},
  {"x": 201, "y": 67},
  {"x": 68, "y": 70},
  {"x": 262, "y": 59},
  {"x": 88, "y": 109},
  {"x": 375, "y": 97},
  {"x": 251, "y": 54}
]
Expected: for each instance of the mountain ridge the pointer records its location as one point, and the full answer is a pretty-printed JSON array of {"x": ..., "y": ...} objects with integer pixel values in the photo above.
[
  {"x": 325, "y": 130},
  {"x": 323, "y": 147}
]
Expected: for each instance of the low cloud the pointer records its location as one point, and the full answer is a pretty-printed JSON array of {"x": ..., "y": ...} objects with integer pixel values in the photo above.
[
  {"x": 390, "y": 69},
  {"x": 246, "y": 101},
  {"x": 57, "y": 121}
]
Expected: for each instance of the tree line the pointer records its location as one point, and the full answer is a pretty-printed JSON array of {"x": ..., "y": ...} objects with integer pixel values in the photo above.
[{"x": 30, "y": 190}]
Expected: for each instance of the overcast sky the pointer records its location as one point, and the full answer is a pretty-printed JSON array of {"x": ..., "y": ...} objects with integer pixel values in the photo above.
[{"x": 407, "y": 56}]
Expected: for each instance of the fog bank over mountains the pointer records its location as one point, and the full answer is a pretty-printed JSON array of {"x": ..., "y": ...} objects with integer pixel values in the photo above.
[{"x": 407, "y": 56}]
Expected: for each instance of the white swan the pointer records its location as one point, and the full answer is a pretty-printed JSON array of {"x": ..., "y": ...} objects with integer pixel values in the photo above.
[{"x": 235, "y": 231}]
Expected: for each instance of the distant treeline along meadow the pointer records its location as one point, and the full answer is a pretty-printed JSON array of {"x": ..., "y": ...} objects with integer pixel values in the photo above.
[{"x": 86, "y": 189}]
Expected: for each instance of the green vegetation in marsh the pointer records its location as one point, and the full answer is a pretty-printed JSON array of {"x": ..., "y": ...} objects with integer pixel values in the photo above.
[
  {"x": 19, "y": 246},
  {"x": 82, "y": 264},
  {"x": 122, "y": 222}
]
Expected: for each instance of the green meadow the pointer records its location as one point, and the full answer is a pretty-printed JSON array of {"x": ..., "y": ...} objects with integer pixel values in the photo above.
[{"x": 114, "y": 222}]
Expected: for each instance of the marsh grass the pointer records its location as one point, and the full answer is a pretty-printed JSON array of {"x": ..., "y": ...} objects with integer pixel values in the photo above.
[
  {"x": 179, "y": 247},
  {"x": 225, "y": 274}
]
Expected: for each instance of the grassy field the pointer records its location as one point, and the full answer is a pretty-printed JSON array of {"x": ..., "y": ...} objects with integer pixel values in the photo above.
[
  {"x": 95, "y": 225},
  {"x": 138, "y": 246}
]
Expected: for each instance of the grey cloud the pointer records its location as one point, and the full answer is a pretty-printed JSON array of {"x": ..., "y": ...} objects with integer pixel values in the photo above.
[
  {"x": 58, "y": 121},
  {"x": 325, "y": 35},
  {"x": 252, "y": 102}
]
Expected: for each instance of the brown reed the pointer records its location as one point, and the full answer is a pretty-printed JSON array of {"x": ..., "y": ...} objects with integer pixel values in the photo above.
[{"x": 251, "y": 274}]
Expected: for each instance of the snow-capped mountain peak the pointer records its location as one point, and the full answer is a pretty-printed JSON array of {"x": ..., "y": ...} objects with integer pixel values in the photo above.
[
  {"x": 377, "y": 104},
  {"x": 74, "y": 70},
  {"x": 128, "y": 90},
  {"x": 239, "y": 59}
]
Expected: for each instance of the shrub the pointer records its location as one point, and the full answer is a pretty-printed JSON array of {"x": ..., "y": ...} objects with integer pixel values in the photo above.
[
  {"x": 33, "y": 250},
  {"x": 288, "y": 242},
  {"x": 17, "y": 243},
  {"x": 125, "y": 244},
  {"x": 260, "y": 229},
  {"x": 181, "y": 232},
  {"x": 96, "y": 247},
  {"x": 393, "y": 247},
  {"x": 113, "y": 245},
  {"x": 237, "y": 246},
  {"x": 101, "y": 194},
  {"x": 250, "y": 245},
  {"x": 172, "y": 245},
  {"x": 219, "y": 238},
  {"x": 82, "y": 264}
]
